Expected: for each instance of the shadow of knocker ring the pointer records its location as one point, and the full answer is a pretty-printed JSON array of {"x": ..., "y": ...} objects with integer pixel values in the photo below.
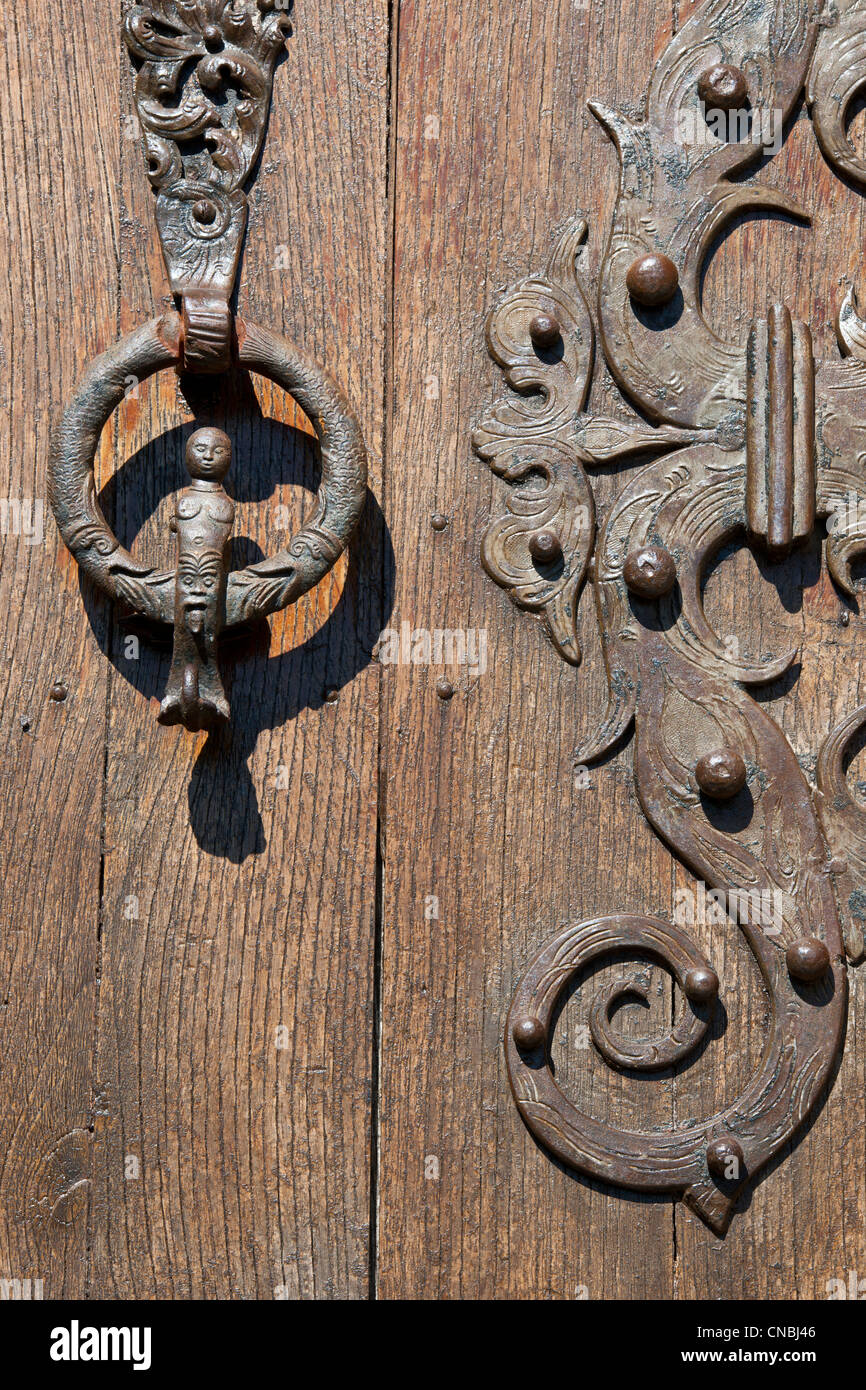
[{"x": 201, "y": 213}]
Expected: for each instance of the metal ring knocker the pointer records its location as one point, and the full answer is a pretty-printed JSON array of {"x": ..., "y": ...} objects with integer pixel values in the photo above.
[{"x": 201, "y": 212}]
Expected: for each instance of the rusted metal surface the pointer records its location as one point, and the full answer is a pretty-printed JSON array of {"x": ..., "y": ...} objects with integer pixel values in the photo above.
[
  {"x": 205, "y": 71},
  {"x": 752, "y": 442},
  {"x": 202, "y": 522},
  {"x": 835, "y": 79},
  {"x": 780, "y": 432}
]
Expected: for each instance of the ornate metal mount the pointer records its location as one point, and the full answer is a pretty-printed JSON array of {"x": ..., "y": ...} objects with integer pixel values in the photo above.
[
  {"x": 203, "y": 92},
  {"x": 203, "y": 89},
  {"x": 753, "y": 442}
]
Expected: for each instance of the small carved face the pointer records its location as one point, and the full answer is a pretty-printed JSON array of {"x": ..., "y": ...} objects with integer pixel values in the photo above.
[
  {"x": 199, "y": 578},
  {"x": 208, "y": 455}
]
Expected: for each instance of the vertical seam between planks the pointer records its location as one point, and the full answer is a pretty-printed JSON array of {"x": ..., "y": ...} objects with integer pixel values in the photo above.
[
  {"x": 106, "y": 724},
  {"x": 391, "y": 101},
  {"x": 675, "y": 25}
]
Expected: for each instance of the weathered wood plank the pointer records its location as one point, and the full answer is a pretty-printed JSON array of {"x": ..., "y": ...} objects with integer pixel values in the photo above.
[
  {"x": 59, "y": 160},
  {"x": 495, "y": 153},
  {"x": 480, "y": 806},
  {"x": 239, "y": 885},
  {"x": 232, "y": 1160},
  {"x": 804, "y": 1225}
]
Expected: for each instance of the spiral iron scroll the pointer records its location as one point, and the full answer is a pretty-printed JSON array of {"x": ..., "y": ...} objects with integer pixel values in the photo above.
[{"x": 752, "y": 442}]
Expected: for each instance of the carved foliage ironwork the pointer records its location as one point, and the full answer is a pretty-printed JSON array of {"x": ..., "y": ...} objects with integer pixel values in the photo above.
[
  {"x": 204, "y": 78},
  {"x": 203, "y": 91},
  {"x": 753, "y": 442}
]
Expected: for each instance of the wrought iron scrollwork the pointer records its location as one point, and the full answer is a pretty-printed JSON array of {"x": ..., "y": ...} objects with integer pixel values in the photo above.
[
  {"x": 753, "y": 441},
  {"x": 204, "y": 79}
]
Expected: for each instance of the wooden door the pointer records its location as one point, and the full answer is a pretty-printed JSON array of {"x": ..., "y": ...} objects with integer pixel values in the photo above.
[{"x": 253, "y": 988}]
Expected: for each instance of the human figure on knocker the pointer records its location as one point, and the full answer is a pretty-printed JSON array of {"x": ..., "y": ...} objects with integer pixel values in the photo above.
[{"x": 202, "y": 522}]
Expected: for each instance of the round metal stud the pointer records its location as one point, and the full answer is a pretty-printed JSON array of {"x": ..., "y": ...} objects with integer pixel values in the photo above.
[
  {"x": 528, "y": 1033},
  {"x": 723, "y": 87},
  {"x": 807, "y": 959},
  {"x": 438, "y": 521},
  {"x": 204, "y": 212},
  {"x": 544, "y": 330},
  {"x": 721, "y": 774},
  {"x": 652, "y": 279},
  {"x": 58, "y": 691},
  {"x": 725, "y": 1159},
  {"x": 701, "y": 984},
  {"x": 545, "y": 547},
  {"x": 444, "y": 689},
  {"x": 650, "y": 572}
]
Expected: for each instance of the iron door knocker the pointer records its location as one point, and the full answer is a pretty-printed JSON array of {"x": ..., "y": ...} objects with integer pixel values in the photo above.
[
  {"x": 203, "y": 88},
  {"x": 751, "y": 442}
]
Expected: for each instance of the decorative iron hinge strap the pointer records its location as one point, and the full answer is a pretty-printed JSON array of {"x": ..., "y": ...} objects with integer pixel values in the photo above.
[
  {"x": 735, "y": 441},
  {"x": 204, "y": 130}
]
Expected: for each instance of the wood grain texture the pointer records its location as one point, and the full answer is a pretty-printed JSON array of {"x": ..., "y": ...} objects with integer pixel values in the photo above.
[
  {"x": 58, "y": 252},
  {"x": 188, "y": 958},
  {"x": 482, "y": 808},
  {"x": 190, "y": 967},
  {"x": 804, "y": 1225}
]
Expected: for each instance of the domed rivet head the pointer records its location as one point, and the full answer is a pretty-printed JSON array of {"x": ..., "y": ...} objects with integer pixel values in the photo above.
[
  {"x": 204, "y": 212},
  {"x": 725, "y": 1159},
  {"x": 721, "y": 774},
  {"x": 58, "y": 691},
  {"x": 723, "y": 87},
  {"x": 444, "y": 689},
  {"x": 528, "y": 1033},
  {"x": 650, "y": 572},
  {"x": 652, "y": 280},
  {"x": 438, "y": 521},
  {"x": 212, "y": 36},
  {"x": 701, "y": 984},
  {"x": 544, "y": 330},
  {"x": 545, "y": 547},
  {"x": 807, "y": 959}
]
